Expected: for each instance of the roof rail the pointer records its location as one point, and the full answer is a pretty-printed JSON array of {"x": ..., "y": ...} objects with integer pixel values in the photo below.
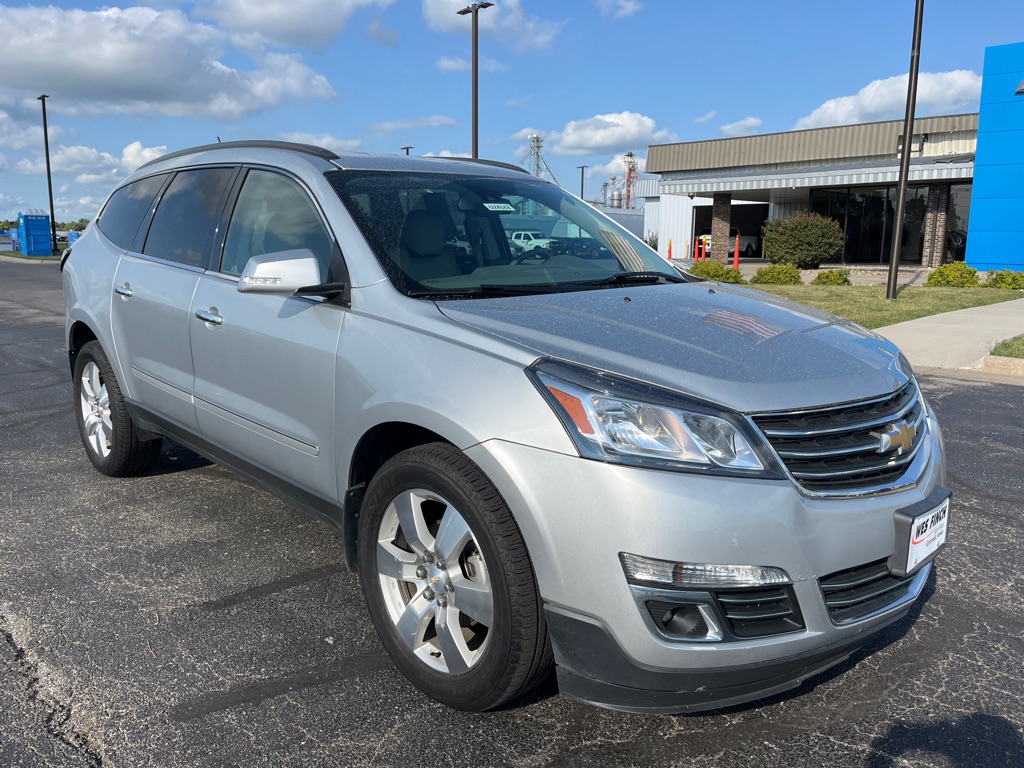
[
  {"x": 495, "y": 163},
  {"x": 308, "y": 149}
]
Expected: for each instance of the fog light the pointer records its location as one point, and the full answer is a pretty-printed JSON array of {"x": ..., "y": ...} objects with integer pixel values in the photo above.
[{"x": 667, "y": 573}]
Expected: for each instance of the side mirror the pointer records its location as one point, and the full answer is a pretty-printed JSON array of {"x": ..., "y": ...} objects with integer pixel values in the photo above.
[{"x": 283, "y": 272}]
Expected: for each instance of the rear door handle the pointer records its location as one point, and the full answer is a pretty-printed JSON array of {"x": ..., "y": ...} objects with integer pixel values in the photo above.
[
  {"x": 123, "y": 290},
  {"x": 209, "y": 317}
]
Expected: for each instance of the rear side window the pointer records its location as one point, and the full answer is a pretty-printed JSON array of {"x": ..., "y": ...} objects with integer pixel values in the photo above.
[
  {"x": 127, "y": 209},
  {"x": 185, "y": 222},
  {"x": 274, "y": 213}
]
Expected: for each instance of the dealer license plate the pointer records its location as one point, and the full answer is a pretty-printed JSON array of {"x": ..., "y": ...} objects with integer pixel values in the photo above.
[{"x": 927, "y": 535}]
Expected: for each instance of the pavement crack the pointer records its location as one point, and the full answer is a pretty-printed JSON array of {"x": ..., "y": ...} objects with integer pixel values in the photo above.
[{"x": 58, "y": 720}]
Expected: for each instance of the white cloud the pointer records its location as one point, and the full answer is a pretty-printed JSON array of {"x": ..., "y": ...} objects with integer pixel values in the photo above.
[
  {"x": 607, "y": 133},
  {"x": 382, "y": 35},
  {"x": 98, "y": 68},
  {"x": 937, "y": 92},
  {"x": 615, "y": 167},
  {"x": 518, "y": 102},
  {"x": 454, "y": 64},
  {"x": 91, "y": 166},
  {"x": 135, "y": 155},
  {"x": 505, "y": 21},
  {"x": 294, "y": 23},
  {"x": 326, "y": 140},
  {"x": 706, "y": 117},
  {"x": 619, "y": 9},
  {"x": 18, "y": 133},
  {"x": 435, "y": 121},
  {"x": 744, "y": 127},
  {"x": 446, "y": 153}
]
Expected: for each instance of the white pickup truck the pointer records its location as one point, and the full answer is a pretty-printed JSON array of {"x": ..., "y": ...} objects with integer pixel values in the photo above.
[
  {"x": 748, "y": 243},
  {"x": 528, "y": 239}
]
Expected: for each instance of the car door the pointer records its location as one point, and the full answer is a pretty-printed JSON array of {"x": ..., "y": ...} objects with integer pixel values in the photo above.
[
  {"x": 265, "y": 363},
  {"x": 153, "y": 291}
]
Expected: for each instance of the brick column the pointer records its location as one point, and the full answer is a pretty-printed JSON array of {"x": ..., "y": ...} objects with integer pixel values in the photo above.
[
  {"x": 722, "y": 245},
  {"x": 935, "y": 221}
]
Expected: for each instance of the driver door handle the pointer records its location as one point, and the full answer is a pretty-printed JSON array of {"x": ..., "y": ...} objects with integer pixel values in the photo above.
[
  {"x": 123, "y": 290},
  {"x": 209, "y": 317}
]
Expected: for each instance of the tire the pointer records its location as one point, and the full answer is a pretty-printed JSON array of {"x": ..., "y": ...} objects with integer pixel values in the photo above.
[
  {"x": 465, "y": 566},
  {"x": 749, "y": 252},
  {"x": 113, "y": 443}
]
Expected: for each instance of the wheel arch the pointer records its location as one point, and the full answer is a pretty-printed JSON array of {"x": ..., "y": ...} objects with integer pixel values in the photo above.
[
  {"x": 79, "y": 335},
  {"x": 376, "y": 446}
]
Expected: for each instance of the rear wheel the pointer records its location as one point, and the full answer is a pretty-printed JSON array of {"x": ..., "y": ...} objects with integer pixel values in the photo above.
[
  {"x": 113, "y": 443},
  {"x": 448, "y": 581}
]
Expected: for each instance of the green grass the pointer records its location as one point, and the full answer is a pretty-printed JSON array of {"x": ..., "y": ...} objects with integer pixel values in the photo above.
[
  {"x": 866, "y": 304},
  {"x": 16, "y": 255},
  {"x": 1010, "y": 348}
]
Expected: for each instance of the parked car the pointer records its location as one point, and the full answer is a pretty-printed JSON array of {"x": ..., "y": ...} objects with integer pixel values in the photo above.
[
  {"x": 529, "y": 467},
  {"x": 748, "y": 243},
  {"x": 529, "y": 239}
]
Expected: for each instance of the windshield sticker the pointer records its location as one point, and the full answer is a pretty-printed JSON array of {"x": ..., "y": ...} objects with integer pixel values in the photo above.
[{"x": 500, "y": 207}]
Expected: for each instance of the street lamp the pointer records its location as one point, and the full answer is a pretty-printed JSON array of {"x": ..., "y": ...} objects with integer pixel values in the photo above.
[
  {"x": 583, "y": 169},
  {"x": 473, "y": 10},
  {"x": 407, "y": 147},
  {"x": 49, "y": 178}
]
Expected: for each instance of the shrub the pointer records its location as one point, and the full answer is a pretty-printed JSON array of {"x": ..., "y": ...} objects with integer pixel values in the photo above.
[
  {"x": 778, "y": 274},
  {"x": 652, "y": 240},
  {"x": 713, "y": 270},
  {"x": 832, "y": 277},
  {"x": 956, "y": 274},
  {"x": 803, "y": 240},
  {"x": 1005, "y": 278}
]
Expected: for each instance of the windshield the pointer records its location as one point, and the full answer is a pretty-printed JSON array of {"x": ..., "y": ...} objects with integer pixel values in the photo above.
[{"x": 445, "y": 234}]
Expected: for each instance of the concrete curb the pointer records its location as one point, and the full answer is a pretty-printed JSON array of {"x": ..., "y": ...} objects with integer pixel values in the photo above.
[{"x": 1008, "y": 366}]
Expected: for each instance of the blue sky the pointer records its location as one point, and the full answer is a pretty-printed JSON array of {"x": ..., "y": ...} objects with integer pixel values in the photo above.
[{"x": 595, "y": 78}]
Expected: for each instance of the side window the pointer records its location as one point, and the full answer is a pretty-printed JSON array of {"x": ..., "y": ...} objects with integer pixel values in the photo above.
[
  {"x": 274, "y": 213},
  {"x": 127, "y": 209},
  {"x": 185, "y": 222}
]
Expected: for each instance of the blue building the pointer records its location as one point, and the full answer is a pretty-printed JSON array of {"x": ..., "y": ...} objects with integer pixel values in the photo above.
[{"x": 996, "y": 231}]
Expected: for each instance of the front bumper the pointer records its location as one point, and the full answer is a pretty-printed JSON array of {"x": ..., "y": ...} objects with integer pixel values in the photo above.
[{"x": 577, "y": 515}]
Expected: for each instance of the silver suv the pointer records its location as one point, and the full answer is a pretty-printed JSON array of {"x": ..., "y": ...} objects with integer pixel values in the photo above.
[{"x": 680, "y": 495}]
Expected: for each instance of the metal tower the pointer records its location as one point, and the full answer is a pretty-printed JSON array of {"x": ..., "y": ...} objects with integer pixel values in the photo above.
[
  {"x": 632, "y": 176},
  {"x": 538, "y": 165}
]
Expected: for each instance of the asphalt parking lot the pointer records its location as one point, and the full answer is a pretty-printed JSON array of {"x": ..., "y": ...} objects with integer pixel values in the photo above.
[{"x": 186, "y": 618}]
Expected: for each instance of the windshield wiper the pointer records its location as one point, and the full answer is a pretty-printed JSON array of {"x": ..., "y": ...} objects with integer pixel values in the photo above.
[
  {"x": 625, "y": 278},
  {"x": 488, "y": 290}
]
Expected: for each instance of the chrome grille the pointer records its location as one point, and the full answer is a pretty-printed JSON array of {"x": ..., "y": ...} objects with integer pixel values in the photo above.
[{"x": 838, "y": 449}]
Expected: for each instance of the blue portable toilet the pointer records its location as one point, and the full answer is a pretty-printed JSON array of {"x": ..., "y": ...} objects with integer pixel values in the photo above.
[
  {"x": 34, "y": 233},
  {"x": 73, "y": 236}
]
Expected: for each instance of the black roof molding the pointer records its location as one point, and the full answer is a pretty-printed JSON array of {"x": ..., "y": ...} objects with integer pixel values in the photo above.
[
  {"x": 308, "y": 149},
  {"x": 495, "y": 163}
]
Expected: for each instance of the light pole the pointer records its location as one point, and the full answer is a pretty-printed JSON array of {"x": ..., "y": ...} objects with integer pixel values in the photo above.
[
  {"x": 472, "y": 9},
  {"x": 583, "y": 169},
  {"x": 407, "y": 147},
  {"x": 908, "y": 132},
  {"x": 49, "y": 178}
]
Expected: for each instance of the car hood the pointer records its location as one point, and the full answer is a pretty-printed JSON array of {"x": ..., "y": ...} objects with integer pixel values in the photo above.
[{"x": 737, "y": 347}]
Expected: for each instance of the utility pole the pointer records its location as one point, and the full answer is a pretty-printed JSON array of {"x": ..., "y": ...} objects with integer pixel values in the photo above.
[
  {"x": 407, "y": 147},
  {"x": 908, "y": 135},
  {"x": 49, "y": 178},
  {"x": 583, "y": 169},
  {"x": 473, "y": 9}
]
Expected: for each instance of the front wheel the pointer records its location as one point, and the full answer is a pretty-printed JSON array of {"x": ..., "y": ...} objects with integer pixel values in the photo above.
[
  {"x": 448, "y": 581},
  {"x": 113, "y": 443}
]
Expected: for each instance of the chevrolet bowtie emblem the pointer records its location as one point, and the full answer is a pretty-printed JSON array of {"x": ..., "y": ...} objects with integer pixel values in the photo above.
[{"x": 899, "y": 436}]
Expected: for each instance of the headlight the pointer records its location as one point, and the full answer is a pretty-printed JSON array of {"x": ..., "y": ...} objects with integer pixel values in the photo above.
[{"x": 615, "y": 419}]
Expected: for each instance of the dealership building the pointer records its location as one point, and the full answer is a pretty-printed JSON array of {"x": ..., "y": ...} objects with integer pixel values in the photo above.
[{"x": 965, "y": 194}]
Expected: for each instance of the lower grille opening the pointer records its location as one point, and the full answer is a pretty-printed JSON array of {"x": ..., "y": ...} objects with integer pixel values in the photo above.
[
  {"x": 760, "y": 612},
  {"x": 858, "y": 592}
]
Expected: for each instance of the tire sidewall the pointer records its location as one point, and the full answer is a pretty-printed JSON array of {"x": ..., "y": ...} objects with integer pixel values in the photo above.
[
  {"x": 92, "y": 352},
  {"x": 471, "y": 690}
]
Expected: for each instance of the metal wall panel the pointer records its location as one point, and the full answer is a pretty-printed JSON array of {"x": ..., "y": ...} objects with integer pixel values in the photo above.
[{"x": 837, "y": 142}]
